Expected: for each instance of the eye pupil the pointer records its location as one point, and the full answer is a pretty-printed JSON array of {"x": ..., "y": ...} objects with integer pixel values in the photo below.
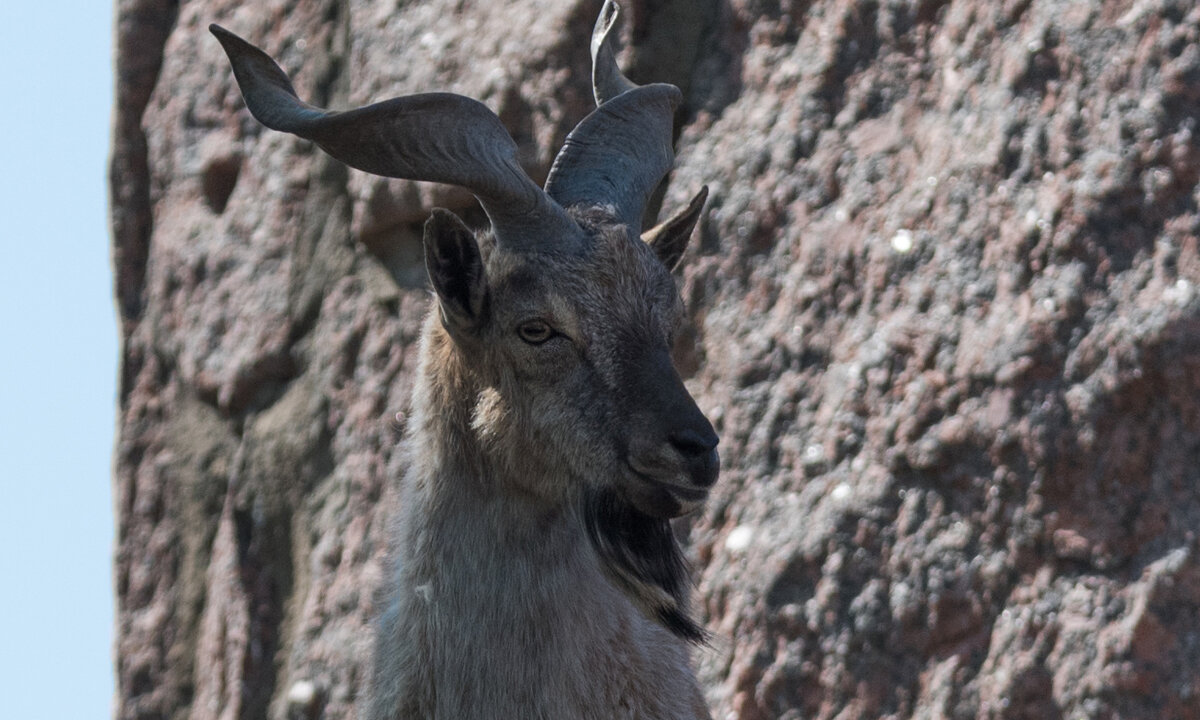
[{"x": 535, "y": 332}]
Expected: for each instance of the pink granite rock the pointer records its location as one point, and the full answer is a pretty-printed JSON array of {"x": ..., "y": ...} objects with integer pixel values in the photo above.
[{"x": 944, "y": 311}]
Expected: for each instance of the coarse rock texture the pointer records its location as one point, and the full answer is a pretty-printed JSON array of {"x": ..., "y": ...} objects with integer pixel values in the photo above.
[{"x": 944, "y": 311}]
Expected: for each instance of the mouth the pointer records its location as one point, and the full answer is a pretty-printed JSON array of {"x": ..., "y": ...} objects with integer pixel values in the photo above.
[{"x": 661, "y": 498}]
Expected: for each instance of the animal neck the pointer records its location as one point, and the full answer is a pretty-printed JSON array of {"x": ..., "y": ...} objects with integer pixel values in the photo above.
[
  {"x": 467, "y": 435},
  {"x": 464, "y": 472},
  {"x": 477, "y": 488},
  {"x": 501, "y": 595},
  {"x": 477, "y": 543}
]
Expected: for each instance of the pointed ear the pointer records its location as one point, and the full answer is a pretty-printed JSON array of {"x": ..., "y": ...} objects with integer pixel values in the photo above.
[
  {"x": 670, "y": 238},
  {"x": 456, "y": 270}
]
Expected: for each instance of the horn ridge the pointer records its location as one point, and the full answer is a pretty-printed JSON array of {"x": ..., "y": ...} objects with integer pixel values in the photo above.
[
  {"x": 619, "y": 153},
  {"x": 439, "y": 137}
]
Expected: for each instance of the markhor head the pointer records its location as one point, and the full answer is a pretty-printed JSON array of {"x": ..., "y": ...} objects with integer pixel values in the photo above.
[{"x": 563, "y": 312}]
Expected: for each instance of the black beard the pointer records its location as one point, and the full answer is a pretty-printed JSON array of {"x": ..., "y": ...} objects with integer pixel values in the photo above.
[{"x": 639, "y": 553}]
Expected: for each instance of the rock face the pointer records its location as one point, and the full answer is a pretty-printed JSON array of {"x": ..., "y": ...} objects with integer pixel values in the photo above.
[{"x": 945, "y": 314}]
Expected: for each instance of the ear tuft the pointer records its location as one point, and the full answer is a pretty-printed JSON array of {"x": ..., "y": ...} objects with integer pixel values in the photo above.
[
  {"x": 670, "y": 238},
  {"x": 455, "y": 269}
]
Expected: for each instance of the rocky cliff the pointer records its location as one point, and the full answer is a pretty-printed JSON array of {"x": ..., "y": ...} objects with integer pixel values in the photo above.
[{"x": 944, "y": 311}]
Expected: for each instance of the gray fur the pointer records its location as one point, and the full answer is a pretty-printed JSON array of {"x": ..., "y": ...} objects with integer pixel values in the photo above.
[
  {"x": 551, "y": 440},
  {"x": 503, "y": 605}
]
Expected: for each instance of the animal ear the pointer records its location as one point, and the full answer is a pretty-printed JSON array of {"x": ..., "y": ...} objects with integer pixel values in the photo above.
[
  {"x": 670, "y": 238},
  {"x": 455, "y": 268}
]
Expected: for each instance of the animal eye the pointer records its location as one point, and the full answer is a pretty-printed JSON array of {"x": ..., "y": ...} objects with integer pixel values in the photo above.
[{"x": 535, "y": 332}]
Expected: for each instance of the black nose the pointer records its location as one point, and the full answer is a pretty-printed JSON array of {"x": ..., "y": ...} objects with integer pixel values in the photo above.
[
  {"x": 699, "y": 451},
  {"x": 691, "y": 443}
]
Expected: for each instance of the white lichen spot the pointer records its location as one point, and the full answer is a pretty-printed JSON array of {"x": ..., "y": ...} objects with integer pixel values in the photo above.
[
  {"x": 1031, "y": 219},
  {"x": 739, "y": 538},
  {"x": 841, "y": 215},
  {"x": 813, "y": 454},
  {"x": 1180, "y": 293},
  {"x": 840, "y": 492},
  {"x": 495, "y": 76},
  {"x": 425, "y": 592},
  {"x": 900, "y": 598},
  {"x": 902, "y": 241},
  {"x": 302, "y": 694}
]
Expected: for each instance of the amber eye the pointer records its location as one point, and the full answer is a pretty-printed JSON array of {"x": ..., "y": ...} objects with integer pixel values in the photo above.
[{"x": 535, "y": 332}]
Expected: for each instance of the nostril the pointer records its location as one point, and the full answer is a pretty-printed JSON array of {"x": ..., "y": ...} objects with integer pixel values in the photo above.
[{"x": 691, "y": 443}]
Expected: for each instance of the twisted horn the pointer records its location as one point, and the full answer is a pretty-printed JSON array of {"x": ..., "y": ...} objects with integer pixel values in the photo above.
[
  {"x": 607, "y": 80},
  {"x": 620, "y": 152},
  {"x": 441, "y": 137}
]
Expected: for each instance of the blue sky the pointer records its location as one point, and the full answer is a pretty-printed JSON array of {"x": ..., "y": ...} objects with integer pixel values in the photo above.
[{"x": 58, "y": 361}]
